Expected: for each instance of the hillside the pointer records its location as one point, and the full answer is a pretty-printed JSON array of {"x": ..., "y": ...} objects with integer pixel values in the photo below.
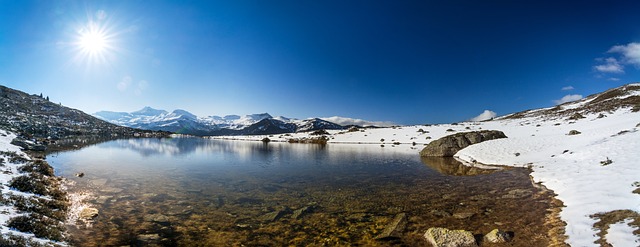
[
  {"x": 35, "y": 116},
  {"x": 627, "y": 96}
]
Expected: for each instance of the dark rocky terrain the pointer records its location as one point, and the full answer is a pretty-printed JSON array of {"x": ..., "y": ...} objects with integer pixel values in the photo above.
[
  {"x": 35, "y": 117},
  {"x": 626, "y": 96}
]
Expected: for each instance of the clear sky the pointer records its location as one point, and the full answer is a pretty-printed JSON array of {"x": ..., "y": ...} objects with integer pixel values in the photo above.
[{"x": 409, "y": 62}]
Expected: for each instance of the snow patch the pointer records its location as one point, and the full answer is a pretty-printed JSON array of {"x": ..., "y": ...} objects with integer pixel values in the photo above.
[{"x": 621, "y": 235}]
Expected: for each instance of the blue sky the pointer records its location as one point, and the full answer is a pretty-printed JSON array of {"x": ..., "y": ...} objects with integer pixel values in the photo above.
[{"x": 409, "y": 62}]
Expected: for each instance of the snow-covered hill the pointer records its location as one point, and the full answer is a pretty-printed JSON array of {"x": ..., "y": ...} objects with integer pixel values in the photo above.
[{"x": 594, "y": 170}]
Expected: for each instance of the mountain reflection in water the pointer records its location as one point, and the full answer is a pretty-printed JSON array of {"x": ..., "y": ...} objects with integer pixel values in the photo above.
[{"x": 201, "y": 192}]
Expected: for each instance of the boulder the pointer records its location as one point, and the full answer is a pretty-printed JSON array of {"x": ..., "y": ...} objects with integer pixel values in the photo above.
[
  {"x": 497, "y": 236},
  {"x": 576, "y": 116},
  {"x": 574, "y": 132},
  {"x": 28, "y": 145},
  {"x": 449, "y": 145},
  {"x": 442, "y": 237},
  {"x": 394, "y": 228}
]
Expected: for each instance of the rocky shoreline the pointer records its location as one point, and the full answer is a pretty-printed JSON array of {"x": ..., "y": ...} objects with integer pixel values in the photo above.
[{"x": 34, "y": 203}]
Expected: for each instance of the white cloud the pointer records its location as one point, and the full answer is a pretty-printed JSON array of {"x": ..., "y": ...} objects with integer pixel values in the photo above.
[
  {"x": 485, "y": 115},
  {"x": 611, "y": 66},
  {"x": 567, "y": 88},
  {"x": 567, "y": 98},
  {"x": 630, "y": 53},
  {"x": 124, "y": 83},
  {"x": 614, "y": 79},
  {"x": 355, "y": 121}
]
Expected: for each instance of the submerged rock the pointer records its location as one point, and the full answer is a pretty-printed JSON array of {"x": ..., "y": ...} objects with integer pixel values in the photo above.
[
  {"x": 148, "y": 239},
  {"x": 88, "y": 213},
  {"x": 497, "y": 236},
  {"x": 449, "y": 145},
  {"x": 442, "y": 237},
  {"x": 275, "y": 215},
  {"x": 463, "y": 215},
  {"x": 517, "y": 193},
  {"x": 298, "y": 213},
  {"x": 394, "y": 228}
]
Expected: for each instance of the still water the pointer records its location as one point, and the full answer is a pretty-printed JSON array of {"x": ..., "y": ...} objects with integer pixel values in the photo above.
[{"x": 201, "y": 192}]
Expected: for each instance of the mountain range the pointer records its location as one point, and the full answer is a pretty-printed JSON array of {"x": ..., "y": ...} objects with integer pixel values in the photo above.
[{"x": 184, "y": 122}]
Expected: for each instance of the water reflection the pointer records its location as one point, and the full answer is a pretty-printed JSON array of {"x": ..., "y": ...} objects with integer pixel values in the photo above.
[
  {"x": 450, "y": 166},
  {"x": 200, "y": 192}
]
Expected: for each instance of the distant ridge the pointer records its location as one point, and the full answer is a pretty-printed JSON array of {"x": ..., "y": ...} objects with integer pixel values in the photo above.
[{"x": 184, "y": 122}]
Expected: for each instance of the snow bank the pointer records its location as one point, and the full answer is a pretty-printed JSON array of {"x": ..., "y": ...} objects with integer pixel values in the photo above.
[
  {"x": 571, "y": 165},
  {"x": 9, "y": 170}
]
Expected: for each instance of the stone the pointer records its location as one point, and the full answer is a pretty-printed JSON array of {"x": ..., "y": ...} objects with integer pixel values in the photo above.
[
  {"x": 149, "y": 239},
  {"x": 103, "y": 199},
  {"x": 298, "y": 213},
  {"x": 449, "y": 145},
  {"x": 395, "y": 228},
  {"x": 496, "y": 236},
  {"x": 99, "y": 182},
  {"x": 112, "y": 190},
  {"x": 88, "y": 213},
  {"x": 440, "y": 213},
  {"x": 574, "y": 132},
  {"x": 158, "y": 218},
  {"x": 275, "y": 215},
  {"x": 442, "y": 237},
  {"x": 517, "y": 193},
  {"x": 576, "y": 116},
  {"x": 463, "y": 215},
  {"x": 28, "y": 145}
]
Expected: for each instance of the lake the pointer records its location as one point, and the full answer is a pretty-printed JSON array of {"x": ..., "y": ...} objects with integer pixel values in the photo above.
[{"x": 202, "y": 192}]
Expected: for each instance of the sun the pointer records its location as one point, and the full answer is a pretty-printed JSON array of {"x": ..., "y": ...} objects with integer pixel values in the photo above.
[
  {"x": 94, "y": 44},
  {"x": 92, "y": 41}
]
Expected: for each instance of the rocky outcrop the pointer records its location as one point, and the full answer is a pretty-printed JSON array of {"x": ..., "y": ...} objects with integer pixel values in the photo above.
[
  {"x": 442, "y": 237},
  {"x": 449, "y": 145},
  {"x": 28, "y": 145}
]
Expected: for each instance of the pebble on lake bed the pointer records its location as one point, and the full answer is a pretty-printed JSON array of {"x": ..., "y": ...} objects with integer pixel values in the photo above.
[
  {"x": 438, "y": 236},
  {"x": 88, "y": 213},
  {"x": 497, "y": 236}
]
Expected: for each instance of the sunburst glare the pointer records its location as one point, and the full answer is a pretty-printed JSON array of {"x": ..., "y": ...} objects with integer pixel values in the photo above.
[{"x": 94, "y": 43}]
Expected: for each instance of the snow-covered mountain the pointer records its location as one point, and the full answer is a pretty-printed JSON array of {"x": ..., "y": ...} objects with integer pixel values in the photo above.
[{"x": 181, "y": 121}]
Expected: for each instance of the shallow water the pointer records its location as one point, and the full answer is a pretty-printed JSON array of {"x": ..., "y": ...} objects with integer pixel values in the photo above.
[{"x": 199, "y": 192}]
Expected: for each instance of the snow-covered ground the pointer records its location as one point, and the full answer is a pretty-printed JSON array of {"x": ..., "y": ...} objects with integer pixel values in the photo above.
[
  {"x": 8, "y": 171},
  {"x": 570, "y": 165}
]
